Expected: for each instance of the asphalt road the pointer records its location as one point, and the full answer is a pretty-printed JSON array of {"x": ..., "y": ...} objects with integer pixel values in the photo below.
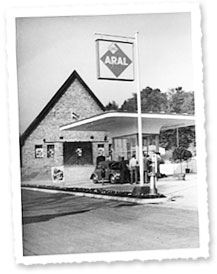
[{"x": 58, "y": 223}]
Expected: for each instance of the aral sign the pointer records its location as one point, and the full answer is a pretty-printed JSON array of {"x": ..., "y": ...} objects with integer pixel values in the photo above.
[{"x": 115, "y": 60}]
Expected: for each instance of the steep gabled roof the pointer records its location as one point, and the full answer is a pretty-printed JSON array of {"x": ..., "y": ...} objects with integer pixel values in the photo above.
[{"x": 53, "y": 101}]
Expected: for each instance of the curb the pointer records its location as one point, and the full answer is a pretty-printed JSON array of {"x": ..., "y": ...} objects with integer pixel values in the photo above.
[{"x": 100, "y": 196}]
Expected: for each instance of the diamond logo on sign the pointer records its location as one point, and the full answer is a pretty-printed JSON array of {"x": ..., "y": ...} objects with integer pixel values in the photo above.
[{"x": 115, "y": 59}]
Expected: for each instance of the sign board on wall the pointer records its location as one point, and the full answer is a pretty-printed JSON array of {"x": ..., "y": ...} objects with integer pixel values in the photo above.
[{"x": 115, "y": 60}]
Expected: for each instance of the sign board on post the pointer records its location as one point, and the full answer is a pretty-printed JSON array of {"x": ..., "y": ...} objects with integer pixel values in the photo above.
[
  {"x": 57, "y": 174},
  {"x": 115, "y": 60}
]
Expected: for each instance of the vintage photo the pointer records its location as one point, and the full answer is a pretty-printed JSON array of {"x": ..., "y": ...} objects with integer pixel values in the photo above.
[{"x": 111, "y": 135}]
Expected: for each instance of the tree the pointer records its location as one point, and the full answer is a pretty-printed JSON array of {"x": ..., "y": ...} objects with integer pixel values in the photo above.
[
  {"x": 151, "y": 100},
  {"x": 168, "y": 138},
  {"x": 188, "y": 103},
  {"x": 111, "y": 106},
  {"x": 187, "y": 136},
  {"x": 130, "y": 104},
  {"x": 180, "y": 101},
  {"x": 181, "y": 154}
]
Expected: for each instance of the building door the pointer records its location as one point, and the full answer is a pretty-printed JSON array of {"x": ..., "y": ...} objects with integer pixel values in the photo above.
[{"x": 77, "y": 153}]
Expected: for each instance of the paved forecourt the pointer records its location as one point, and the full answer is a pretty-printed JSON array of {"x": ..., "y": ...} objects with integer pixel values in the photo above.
[{"x": 58, "y": 223}]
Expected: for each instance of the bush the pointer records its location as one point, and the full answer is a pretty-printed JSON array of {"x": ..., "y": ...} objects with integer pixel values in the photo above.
[{"x": 181, "y": 154}]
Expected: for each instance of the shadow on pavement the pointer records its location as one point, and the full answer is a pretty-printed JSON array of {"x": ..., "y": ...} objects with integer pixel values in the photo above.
[{"x": 47, "y": 217}]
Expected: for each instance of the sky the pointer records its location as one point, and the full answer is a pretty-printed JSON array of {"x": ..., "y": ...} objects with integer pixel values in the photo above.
[{"x": 49, "y": 49}]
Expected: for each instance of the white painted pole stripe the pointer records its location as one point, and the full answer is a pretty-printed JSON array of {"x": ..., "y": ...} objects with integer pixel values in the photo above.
[{"x": 139, "y": 109}]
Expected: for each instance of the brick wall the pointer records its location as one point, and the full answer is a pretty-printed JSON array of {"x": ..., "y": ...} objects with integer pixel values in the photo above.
[{"x": 75, "y": 100}]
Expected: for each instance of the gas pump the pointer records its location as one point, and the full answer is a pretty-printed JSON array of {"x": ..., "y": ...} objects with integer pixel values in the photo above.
[{"x": 153, "y": 189}]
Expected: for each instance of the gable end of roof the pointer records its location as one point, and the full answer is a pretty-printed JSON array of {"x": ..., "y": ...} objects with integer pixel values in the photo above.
[{"x": 53, "y": 101}]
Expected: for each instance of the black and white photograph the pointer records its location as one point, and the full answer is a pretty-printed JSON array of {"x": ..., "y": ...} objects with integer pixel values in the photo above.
[{"x": 110, "y": 139}]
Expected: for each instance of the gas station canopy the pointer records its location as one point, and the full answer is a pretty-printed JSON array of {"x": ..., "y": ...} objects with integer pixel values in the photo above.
[{"x": 125, "y": 123}]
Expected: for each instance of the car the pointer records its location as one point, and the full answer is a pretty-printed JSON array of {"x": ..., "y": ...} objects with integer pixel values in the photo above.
[{"x": 111, "y": 170}]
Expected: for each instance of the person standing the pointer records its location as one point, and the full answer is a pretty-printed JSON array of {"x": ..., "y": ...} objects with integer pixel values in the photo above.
[
  {"x": 103, "y": 174},
  {"x": 146, "y": 167},
  {"x": 79, "y": 155},
  {"x": 133, "y": 169},
  {"x": 158, "y": 164}
]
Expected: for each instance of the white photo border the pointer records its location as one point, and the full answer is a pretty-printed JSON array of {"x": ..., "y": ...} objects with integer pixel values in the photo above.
[{"x": 131, "y": 8}]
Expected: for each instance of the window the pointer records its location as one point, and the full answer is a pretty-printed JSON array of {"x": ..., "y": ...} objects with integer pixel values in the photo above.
[
  {"x": 38, "y": 151},
  {"x": 100, "y": 145},
  {"x": 50, "y": 151}
]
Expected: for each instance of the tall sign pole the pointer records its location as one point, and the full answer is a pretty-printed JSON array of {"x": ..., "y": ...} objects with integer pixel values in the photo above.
[
  {"x": 115, "y": 60},
  {"x": 139, "y": 109}
]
